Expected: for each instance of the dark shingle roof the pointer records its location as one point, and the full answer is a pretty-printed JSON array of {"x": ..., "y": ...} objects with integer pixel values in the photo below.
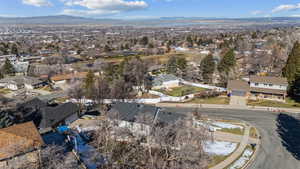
[
  {"x": 129, "y": 112},
  {"x": 269, "y": 80},
  {"x": 51, "y": 116}
]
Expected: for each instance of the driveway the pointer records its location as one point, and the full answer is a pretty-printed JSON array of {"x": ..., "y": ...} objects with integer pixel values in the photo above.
[{"x": 273, "y": 153}]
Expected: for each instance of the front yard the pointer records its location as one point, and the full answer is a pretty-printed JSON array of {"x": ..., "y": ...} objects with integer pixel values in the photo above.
[
  {"x": 268, "y": 103},
  {"x": 182, "y": 91}
]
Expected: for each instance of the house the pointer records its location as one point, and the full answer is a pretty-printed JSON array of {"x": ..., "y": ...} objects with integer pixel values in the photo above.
[
  {"x": 259, "y": 87},
  {"x": 63, "y": 78},
  {"x": 21, "y": 67},
  {"x": 165, "y": 81},
  {"x": 138, "y": 117},
  {"x": 19, "y": 82},
  {"x": 47, "y": 116},
  {"x": 19, "y": 144},
  {"x": 267, "y": 87}
]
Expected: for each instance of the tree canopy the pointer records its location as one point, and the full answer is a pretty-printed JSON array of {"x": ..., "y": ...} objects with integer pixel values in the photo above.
[
  {"x": 292, "y": 68},
  {"x": 207, "y": 67},
  {"x": 8, "y": 68},
  {"x": 227, "y": 62}
]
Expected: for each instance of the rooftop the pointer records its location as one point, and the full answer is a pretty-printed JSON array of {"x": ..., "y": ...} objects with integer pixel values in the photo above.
[
  {"x": 239, "y": 85},
  {"x": 269, "y": 80},
  {"x": 19, "y": 139}
]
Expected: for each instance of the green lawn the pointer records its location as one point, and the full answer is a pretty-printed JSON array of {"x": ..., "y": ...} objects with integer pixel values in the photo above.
[
  {"x": 253, "y": 132},
  {"x": 268, "y": 103},
  {"x": 236, "y": 131},
  {"x": 4, "y": 91},
  {"x": 212, "y": 100},
  {"x": 182, "y": 91}
]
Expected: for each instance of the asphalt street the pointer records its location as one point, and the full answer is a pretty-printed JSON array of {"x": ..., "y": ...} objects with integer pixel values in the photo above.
[{"x": 280, "y": 147}]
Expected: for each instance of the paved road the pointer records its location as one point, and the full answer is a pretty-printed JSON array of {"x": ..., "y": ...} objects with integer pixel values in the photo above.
[{"x": 272, "y": 154}]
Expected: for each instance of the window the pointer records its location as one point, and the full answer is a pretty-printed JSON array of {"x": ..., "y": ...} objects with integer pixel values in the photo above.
[
  {"x": 270, "y": 85},
  {"x": 256, "y": 84}
]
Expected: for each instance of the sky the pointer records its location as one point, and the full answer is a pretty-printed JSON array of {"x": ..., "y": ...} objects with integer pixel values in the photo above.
[{"x": 143, "y": 9}]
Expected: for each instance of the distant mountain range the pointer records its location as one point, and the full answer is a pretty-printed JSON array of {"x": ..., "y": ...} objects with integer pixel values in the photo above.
[
  {"x": 59, "y": 19},
  {"x": 65, "y": 19}
]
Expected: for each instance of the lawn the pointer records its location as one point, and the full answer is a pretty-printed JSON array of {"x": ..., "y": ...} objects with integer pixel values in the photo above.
[
  {"x": 237, "y": 131},
  {"x": 182, "y": 91},
  {"x": 211, "y": 100},
  {"x": 253, "y": 132},
  {"x": 268, "y": 103},
  {"x": 4, "y": 91}
]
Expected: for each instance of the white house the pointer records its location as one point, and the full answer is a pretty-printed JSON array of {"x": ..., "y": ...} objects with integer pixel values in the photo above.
[
  {"x": 260, "y": 87},
  {"x": 18, "y": 82}
]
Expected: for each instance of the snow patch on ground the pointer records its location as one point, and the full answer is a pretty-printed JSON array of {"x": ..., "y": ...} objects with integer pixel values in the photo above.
[
  {"x": 226, "y": 125},
  {"x": 242, "y": 160},
  {"x": 219, "y": 147},
  {"x": 214, "y": 126}
]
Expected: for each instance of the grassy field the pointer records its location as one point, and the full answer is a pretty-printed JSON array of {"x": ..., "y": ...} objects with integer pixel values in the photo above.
[
  {"x": 253, "y": 132},
  {"x": 268, "y": 103},
  {"x": 236, "y": 131},
  {"x": 212, "y": 100},
  {"x": 182, "y": 91},
  {"x": 4, "y": 91}
]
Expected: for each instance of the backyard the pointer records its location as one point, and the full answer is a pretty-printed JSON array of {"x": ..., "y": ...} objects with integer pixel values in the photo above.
[{"x": 182, "y": 91}]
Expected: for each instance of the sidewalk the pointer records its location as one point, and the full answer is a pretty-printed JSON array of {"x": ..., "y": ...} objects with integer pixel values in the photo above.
[
  {"x": 218, "y": 106},
  {"x": 236, "y": 154}
]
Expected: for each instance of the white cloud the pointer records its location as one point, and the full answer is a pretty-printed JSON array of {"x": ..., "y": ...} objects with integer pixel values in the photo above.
[
  {"x": 108, "y": 4},
  {"x": 257, "y": 12},
  {"x": 103, "y": 7},
  {"x": 37, "y": 3},
  {"x": 287, "y": 7}
]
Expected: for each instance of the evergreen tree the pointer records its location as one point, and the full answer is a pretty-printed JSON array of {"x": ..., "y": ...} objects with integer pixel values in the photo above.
[
  {"x": 181, "y": 63},
  {"x": 292, "y": 67},
  {"x": 14, "y": 49},
  {"x": 227, "y": 62},
  {"x": 5, "y": 120},
  {"x": 207, "y": 67},
  {"x": 8, "y": 68},
  {"x": 172, "y": 65},
  {"x": 190, "y": 41},
  {"x": 144, "y": 41},
  {"x": 1, "y": 75},
  {"x": 90, "y": 84}
]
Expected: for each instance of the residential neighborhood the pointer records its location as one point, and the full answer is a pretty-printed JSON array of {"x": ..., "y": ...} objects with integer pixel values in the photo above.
[{"x": 81, "y": 90}]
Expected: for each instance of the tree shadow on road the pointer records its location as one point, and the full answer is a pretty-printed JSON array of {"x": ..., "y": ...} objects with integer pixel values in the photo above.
[{"x": 288, "y": 128}]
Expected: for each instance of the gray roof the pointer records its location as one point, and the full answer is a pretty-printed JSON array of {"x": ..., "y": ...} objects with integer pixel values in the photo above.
[
  {"x": 238, "y": 85},
  {"x": 160, "y": 79},
  {"x": 51, "y": 116},
  {"x": 21, "y": 66},
  {"x": 129, "y": 112}
]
